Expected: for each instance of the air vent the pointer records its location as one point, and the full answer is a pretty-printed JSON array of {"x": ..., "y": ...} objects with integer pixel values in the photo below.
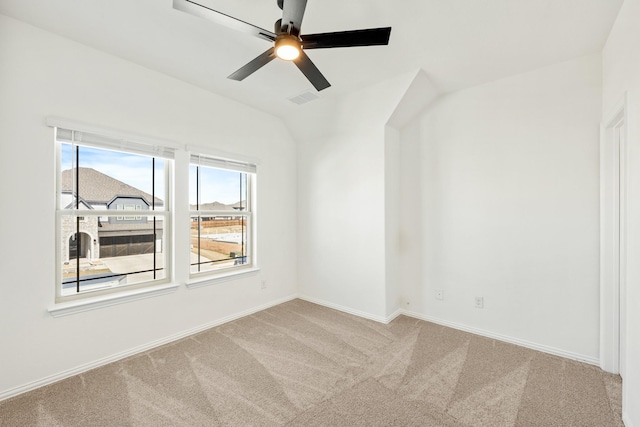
[{"x": 304, "y": 97}]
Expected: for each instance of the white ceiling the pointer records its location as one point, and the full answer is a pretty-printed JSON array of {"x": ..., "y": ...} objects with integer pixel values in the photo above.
[{"x": 458, "y": 43}]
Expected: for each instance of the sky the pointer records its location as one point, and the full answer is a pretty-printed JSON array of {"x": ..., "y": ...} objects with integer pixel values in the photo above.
[{"x": 217, "y": 185}]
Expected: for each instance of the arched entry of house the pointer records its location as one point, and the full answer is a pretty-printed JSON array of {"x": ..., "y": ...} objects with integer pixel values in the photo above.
[{"x": 79, "y": 247}]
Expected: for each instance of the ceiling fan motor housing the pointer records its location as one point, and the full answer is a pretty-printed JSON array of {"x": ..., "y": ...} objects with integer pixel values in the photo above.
[
  {"x": 288, "y": 28},
  {"x": 289, "y": 44}
]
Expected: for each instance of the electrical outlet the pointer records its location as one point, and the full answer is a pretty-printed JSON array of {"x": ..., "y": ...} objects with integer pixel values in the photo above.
[
  {"x": 479, "y": 302},
  {"x": 264, "y": 284},
  {"x": 439, "y": 294}
]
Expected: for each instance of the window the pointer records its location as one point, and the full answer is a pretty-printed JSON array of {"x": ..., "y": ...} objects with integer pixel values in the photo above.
[
  {"x": 221, "y": 212},
  {"x": 101, "y": 250},
  {"x": 128, "y": 208}
]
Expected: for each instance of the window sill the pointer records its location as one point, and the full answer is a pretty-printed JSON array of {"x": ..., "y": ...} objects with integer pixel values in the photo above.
[
  {"x": 88, "y": 304},
  {"x": 212, "y": 280}
]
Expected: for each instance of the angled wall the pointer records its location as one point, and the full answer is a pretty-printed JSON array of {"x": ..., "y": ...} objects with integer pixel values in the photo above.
[
  {"x": 343, "y": 184},
  {"x": 420, "y": 94}
]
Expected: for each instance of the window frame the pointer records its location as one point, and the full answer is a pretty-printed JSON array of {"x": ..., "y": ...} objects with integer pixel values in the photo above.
[
  {"x": 250, "y": 253},
  {"x": 141, "y": 146}
]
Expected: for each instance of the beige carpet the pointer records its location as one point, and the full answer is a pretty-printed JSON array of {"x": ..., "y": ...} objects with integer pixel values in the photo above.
[{"x": 300, "y": 364}]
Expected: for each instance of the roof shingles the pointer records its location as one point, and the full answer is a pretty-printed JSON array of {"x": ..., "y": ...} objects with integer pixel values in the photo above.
[{"x": 96, "y": 187}]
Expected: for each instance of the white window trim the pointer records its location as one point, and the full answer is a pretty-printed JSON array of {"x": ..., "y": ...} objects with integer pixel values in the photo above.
[
  {"x": 178, "y": 274},
  {"x": 198, "y": 150},
  {"x": 116, "y": 293},
  {"x": 59, "y": 122},
  {"x": 94, "y": 303},
  {"x": 217, "y": 278},
  {"x": 212, "y": 277}
]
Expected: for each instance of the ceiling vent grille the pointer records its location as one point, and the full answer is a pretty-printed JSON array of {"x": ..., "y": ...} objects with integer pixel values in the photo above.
[{"x": 304, "y": 97}]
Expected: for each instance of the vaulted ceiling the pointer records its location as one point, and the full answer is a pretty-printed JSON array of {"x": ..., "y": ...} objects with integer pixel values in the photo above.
[{"x": 458, "y": 43}]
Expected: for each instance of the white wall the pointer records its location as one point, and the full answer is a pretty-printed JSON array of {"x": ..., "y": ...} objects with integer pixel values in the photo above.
[
  {"x": 500, "y": 200},
  {"x": 42, "y": 74},
  {"x": 341, "y": 221},
  {"x": 392, "y": 212},
  {"x": 420, "y": 94},
  {"x": 348, "y": 194},
  {"x": 411, "y": 262},
  {"x": 621, "y": 71},
  {"x": 341, "y": 198}
]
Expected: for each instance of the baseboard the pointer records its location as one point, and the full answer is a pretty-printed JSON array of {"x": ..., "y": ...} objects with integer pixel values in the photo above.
[
  {"x": 348, "y": 310},
  {"x": 139, "y": 349},
  {"x": 627, "y": 422},
  {"x": 393, "y": 316},
  {"x": 504, "y": 338},
  {"x": 461, "y": 327},
  {"x": 151, "y": 345}
]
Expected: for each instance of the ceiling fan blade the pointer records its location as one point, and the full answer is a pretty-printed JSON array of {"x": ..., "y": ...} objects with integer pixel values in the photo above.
[
  {"x": 368, "y": 37},
  {"x": 254, "y": 65},
  {"x": 312, "y": 73},
  {"x": 292, "y": 14},
  {"x": 197, "y": 9}
]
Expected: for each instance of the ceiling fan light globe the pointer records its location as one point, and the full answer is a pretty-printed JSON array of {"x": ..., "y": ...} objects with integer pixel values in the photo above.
[
  {"x": 287, "y": 47},
  {"x": 287, "y": 52}
]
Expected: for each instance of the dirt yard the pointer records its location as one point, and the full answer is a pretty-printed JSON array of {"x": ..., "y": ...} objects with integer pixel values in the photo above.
[{"x": 216, "y": 250}]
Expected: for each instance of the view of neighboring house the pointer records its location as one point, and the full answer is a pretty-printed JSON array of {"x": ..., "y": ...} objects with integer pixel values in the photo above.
[{"x": 128, "y": 232}]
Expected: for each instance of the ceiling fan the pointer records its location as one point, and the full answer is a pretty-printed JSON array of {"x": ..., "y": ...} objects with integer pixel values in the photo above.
[{"x": 288, "y": 43}]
